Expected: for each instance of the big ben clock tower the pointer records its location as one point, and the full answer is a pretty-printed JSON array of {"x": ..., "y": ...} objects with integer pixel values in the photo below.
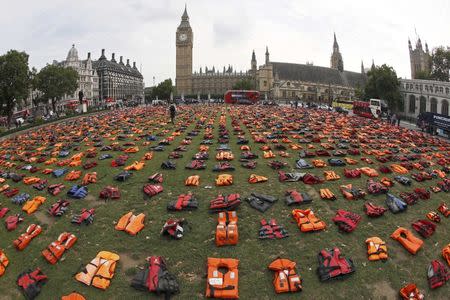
[{"x": 184, "y": 41}]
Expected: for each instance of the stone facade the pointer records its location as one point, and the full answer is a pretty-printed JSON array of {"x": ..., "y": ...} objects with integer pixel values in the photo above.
[
  {"x": 117, "y": 80},
  {"x": 424, "y": 96},
  {"x": 420, "y": 60},
  {"x": 87, "y": 80}
]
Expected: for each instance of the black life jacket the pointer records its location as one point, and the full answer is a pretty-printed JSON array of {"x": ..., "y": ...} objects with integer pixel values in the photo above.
[
  {"x": 155, "y": 278},
  {"x": 272, "y": 230},
  {"x": 31, "y": 282},
  {"x": 294, "y": 197},
  {"x": 333, "y": 265},
  {"x": 261, "y": 202}
]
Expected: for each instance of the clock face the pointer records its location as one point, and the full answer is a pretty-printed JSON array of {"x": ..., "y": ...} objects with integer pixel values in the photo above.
[{"x": 183, "y": 37}]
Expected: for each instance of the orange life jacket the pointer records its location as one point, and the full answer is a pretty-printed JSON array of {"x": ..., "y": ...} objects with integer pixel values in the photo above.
[
  {"x": 269, "y": 154},
  {"x": 136, "y": 166},
  {"x": 100, "y": 270},
  {"x": 203, "y": 148},
  {"x": 31, "y": 180},
  {"x": 219, "y": 284},
  {"x": 295, "y": 146},
  {"x": 75, "y": 163},
  {"x": 89, "y": 178},
  {"x": 4, "y": 188},
  {"x": 73, "y": 175},
  {"x": 256, "y": 178},
  {"x": 25, "y": 238},
  {"x": 224, "y": 180},
  {"x": 193, "y": 180},
  {"x": 50, "y": 161},
  {"x": 47, "y": 171},
  {"x": 369, "y": 171},
  {"x": 245, "y": 148},
  {"x": 4, "y": 262},
  {"x": 376, "y": 249},
  {"x": 326, "y": 194},
  {"x": 318, "y": 163},
  {"x": 132, "y": 150},
  {"x": 285, "y": 278},
  {"x": 56, "y": 249},
  {"x": 73, "y": 296},
  {"x": 77, "y": 156},
  {"x": 227, "y": 230},
  {"x": 224, "y": 155},
  {"x": 307, "y": 221},
  {"x": 148, "y": 155},
  {"x": 350, "y": 161},
  {"x": 399, "y": 169},
  {"x": 407, "y": 239},
  {"x": 386, "y": 181},
  {"x": 331, "y": 175},
  {"x": 32, "y": 205},
  {"x": 445, "y": 254},
  {"x": 130, "y": 223}
]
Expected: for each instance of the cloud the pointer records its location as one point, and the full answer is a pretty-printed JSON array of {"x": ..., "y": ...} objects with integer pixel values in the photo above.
[{"x": 225, "y": 32}]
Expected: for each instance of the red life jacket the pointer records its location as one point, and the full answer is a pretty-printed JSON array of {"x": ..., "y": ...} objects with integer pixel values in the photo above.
[
  {"x": 31, "y": 282},
  {"x": 222, "y": 203},
  {"x": 424, "y": 227},
  {"x": 333, "y": 265},
  {"x": 346, "y": 221},
  {"x": 437, "y": 274}
]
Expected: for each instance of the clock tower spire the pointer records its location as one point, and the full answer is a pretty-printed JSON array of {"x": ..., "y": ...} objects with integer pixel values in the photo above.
[{"x": 184, "y": 43}]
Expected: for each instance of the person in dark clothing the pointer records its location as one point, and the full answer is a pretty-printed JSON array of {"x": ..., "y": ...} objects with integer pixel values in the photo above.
[
  {"x": 398, "y": 121},
  {"x": 173, "y": 112}
]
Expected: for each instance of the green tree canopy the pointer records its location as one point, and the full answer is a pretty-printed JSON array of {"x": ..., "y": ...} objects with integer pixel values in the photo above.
[
  {"x": 56, "y": 81},
  {"x": 244, "y": 84},
  {"x": 382, "y": 83},
  {"x": 14, "y": 80},
  {"x": 163, "y": 90},
  {"x": 422, "y": 74},
  {"x": 440, "y": 64}
]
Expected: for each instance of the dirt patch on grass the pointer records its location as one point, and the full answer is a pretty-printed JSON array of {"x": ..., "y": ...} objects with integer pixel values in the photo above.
[
  {"x": 190, "y": 277},
  {"x": 383, "y": 290},
  {"x": 93, "y": 201},
  {"x": 44, "y": 218},
  {"x": 127, "y": 261}
]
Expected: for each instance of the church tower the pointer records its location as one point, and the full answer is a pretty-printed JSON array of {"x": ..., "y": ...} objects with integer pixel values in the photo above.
[
  {"x": 184, "y": 43},
  {"x": 336, "y": 58},
  {"x": 420, "y": 60}
]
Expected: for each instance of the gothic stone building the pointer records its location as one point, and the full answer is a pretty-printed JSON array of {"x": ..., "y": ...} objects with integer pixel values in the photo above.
[
  {"x": 420, "y": 60},
  {"x": 275, "y": 80},
  {"x": 87, "y": 80},
  {"x": 118, "y": 80}
]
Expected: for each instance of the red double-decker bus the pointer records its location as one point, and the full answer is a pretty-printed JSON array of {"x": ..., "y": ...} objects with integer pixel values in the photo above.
[{"x": 241, "y": 97}]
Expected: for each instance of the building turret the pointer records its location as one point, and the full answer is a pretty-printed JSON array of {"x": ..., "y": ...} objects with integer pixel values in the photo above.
[
  {"x": 362, "y": 68},
  {"x": 253, "y": 63},
  {"x": 267, "y": 56},
  {"x": 113, "y": 58},
  {"x": 336, "y": 61}
]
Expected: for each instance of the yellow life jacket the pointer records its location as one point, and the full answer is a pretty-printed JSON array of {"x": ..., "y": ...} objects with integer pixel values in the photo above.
[
  {"x": 32, "y": 205},
  {"x": 331, "y": 175},
  {"x": 256, "y": 178},
  {"x": 31, "y": 180},
  {"x": 224, "y": 180},
  {"x": 326, "y": 194},
  {"x": 318, "y": 163},
  {"x": 73, "y": 175},
  {"x": 89, "y": 178},
  {"x": 193, "y": 180},
  {"x": 269, "y": 154},
  {"x": 4, "y": 262},
  {"x": 376, "y": 249},
  {"x": 100, "y": 270}
]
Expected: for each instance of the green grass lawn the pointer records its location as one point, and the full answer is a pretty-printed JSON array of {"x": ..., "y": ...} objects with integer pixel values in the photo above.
[{"x": 186, "y": 258}]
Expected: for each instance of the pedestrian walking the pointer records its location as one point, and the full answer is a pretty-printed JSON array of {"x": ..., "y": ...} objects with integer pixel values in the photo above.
[
  {"x": 398, "y": 121},
  {"x": 173, "y": 112}
]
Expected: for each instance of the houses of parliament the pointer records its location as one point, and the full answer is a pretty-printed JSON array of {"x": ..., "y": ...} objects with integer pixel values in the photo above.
[{"x": 275, "y": 80}]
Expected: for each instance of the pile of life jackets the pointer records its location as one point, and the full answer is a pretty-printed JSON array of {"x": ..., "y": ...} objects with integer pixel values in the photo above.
[
  {"x": 11, "y": 222},
  {"x": 399, "y": 169},
  {"x": 285, "y": 278},
  {"x": 227, "y": 229},
  {"x": 407, "y": 239},
  {"x": 184, "y": 202},
  {"x": 73, "y": 175},
  {"x": 331, "y": 175},
  {"x": 290, "y": 177},
  {"x": 295, "y": 197},
  {"x": 58, "y": 208},
  {"x": 131, "y": 223},
  {"x": 224, "y": 155},
  {"x": 31, "y": 282},
  {"x": 155, "y": 278},
  {"x": 110, "y": 192},
  {"x": 100, "y": 270},
  {"x": 437, "y": 274},
  {"x": 86, "y": 216},
  {"x": 269, "y": 154},
  {"x": 444, "y": 209},
  {"x": 446, "y": 254},
  {"x": 89, "y": 178},
  {"x": 346, "y": 221},
  {"x": 77, "y": 192},
  {"x": 271, "y": 230},
  {"x": 333, "y": 265},
  {"x": 355, "y": 173},
  {"x": 395, "y": 204},
  {"x": 326, "y": 194},
  {"x": 424, "y": 227},
  {"x": 307, "y": 220},
  {"x": 25, "y": 238},
  {"x": 174, "y": 228},
  {"x": 56, "y": 249},
  {"x": 411, "y": 292},
  {"x": 369, "y": 171},
  {"x": 55, "y": 189},
  {"x": 196, "y": 165},
  {"x": 227, "y": 202},
  {"x": 376, "y": 249},
  {"x": 193, "y": 180},
  {"x": 222, "y": 284},
  {"x": 152, "y": 189},
  {"x": 136, "y": 166},
  {"x": 224, "y": 180},
  {"x": 32, "y": 205},
  {"x": 373, "y": 210},
  {"x": 4, "y": 262},
  {"x": 318, "y": 163},
  {"x": 156, "y": 178},
  {"x": 376, "y": 188}
]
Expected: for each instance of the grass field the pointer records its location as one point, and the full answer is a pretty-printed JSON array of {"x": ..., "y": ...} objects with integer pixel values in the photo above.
[{"x": 186, "y": 258}]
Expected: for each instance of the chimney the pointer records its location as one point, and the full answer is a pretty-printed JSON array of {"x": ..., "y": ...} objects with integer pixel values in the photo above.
[
  {"x": 128, "y": 62},
  {"x": 113, "y": 57},
  {"x": 89, "y": 55},
  {"x": 121, "y": 59},
  {"x": 103, "y": 52},
  {"x": 134, "y": 64}
]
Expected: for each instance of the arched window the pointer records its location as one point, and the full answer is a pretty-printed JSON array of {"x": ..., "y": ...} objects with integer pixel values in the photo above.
[
  {"x": 412, "y": 104},
  {"x": 401, "y": 105},
  {"x": 444, "y": 107},
  {"x": 433, "y": 107},
  {"x": 423, "y": 104}
]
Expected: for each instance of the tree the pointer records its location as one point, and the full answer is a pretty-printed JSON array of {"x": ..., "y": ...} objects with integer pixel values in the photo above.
[
  {"x": 56, "y": 81},
  {"x": 163, "y": 90},
  {"x": 244, "y": 84},
  {"x": 14, "y": 81},
  {"x": 440, "y": 64},
  {"x": 422, "y": 74},
  {"x": 382, "y": 83}
]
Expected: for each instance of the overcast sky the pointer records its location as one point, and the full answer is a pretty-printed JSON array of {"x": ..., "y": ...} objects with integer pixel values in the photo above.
[{"x": 225, "y": 32}]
